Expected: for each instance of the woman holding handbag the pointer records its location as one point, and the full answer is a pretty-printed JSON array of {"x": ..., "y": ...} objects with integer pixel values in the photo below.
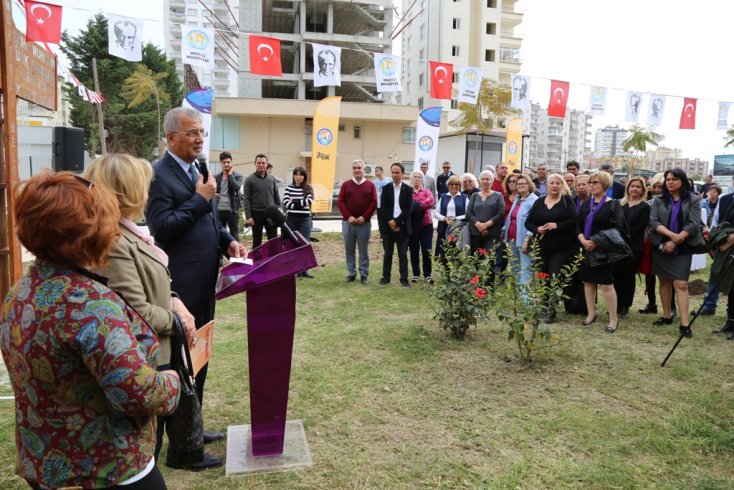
[{"x": 675, "y": 222}]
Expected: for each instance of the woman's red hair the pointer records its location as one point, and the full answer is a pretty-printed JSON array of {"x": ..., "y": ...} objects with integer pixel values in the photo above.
[{"x": 62, "y": 218}]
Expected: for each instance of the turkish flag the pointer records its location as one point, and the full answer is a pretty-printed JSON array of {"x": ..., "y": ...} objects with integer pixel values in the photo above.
[
  {"x": 688, "y": 114},
  {"x": 43, "y": 22},
  {"x": 442, "y": 79},
  {"x": 558, "y": 99},
  {"x": 265, "y": 56}
]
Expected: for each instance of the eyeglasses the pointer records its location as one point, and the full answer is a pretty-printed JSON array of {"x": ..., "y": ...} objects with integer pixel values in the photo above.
[
  {"x": 454, "y": 185},
  {"x": 356, "y": 168},
  {"x": 84, "y": 181},
  {"x": 593, "y": 182},
  {"x": 522, "y": 183},
  {"x": 512, "y": 182},
  {"x": 193, "y": 133}
]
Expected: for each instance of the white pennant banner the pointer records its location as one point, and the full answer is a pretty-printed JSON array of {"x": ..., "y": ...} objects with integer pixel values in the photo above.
[
  {"x": 722, "y": 120},
  {"x": 123, "y": 37},
  {"x": 520, "y": 93},
  {"x": 470, "y": 80},
  {"x": 387, "y": 72},
  {"x": 655, "y": 108},
  {"x": 598, "y": 101},
  {"x": 327, "y": 66},
  {"x": 197, "y": 46},
  {"x": 634, "y": 103}
]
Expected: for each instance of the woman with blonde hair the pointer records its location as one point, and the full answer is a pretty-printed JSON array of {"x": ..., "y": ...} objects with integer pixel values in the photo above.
[
  {"x": 552, "y": 221},
  {"x": 597, "y": 215},
  {"x": 450, "y": 211},
  {"x": 139, "y": 269},
  {"x": 515, "y": 232},
  {"x": 637, "y": 215}
]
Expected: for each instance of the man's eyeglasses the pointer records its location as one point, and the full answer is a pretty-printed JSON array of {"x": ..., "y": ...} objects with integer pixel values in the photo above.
[
  {"x": 193, "y": 133},
  {"x": 89, "y": 184}
]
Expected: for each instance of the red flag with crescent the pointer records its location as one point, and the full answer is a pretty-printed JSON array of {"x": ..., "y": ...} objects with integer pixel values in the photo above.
[
  {"x": 558, "y": 99},
  {"x": 265, "y": 56},
  {"x": 688, "y": 114},
  {"x": 442, "y": 78},
  {"x": 43, "y": 22}
]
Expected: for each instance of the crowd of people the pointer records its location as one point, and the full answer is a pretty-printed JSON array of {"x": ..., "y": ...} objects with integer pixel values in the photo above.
[{"x": 654, "y": 227}]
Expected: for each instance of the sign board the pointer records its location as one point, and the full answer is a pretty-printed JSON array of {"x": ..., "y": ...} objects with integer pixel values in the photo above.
[{"x": 35, "y": 71}]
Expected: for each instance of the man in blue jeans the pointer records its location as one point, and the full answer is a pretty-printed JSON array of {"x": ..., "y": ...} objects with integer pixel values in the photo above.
[{"x": 357, "y": 203}]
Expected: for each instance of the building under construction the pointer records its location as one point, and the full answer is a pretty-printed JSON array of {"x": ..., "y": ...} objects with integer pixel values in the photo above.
[{"x": 361, "y": 28}]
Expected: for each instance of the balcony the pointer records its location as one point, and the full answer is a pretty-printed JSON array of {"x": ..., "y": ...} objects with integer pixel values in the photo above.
[
  {"x": 509, "y": 40},
  {"x": 511, "y": 16}
]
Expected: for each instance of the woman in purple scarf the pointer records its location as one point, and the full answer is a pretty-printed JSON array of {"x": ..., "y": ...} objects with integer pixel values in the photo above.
[
  {"x": 596, "y": 214},
  {"x": 675, "y": 222}
]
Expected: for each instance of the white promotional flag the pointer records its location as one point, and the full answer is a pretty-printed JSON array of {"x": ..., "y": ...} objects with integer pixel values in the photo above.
[
  {"x": 124, "y": 36},
  {"x": 426, "y": 138},
  {"x": 598, "y": 101},
  {"x": 634, "y": 102},
  {"x": 470, "y": 79},
  {"x": 197, "y": 46},
  {"x": 655, "y": 107},
  {"x": 722, "y": 120},
  {"x": 327, "y": 66},
  {"x": 202, "y": 99},
  {"x": 387, "y": 72},
  {"x": 520, "y": 93}
]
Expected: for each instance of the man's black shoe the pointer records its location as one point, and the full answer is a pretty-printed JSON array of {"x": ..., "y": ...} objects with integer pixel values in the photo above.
[
  {"x": 307, "y": 275},
  {"x": 384, "y": 282},
  {"x": 364, "y": 280},
  {"x": 623, "y": 312},
  {"x": 727, "y": 328},
  {"x": 405, "y": 283},
  {"x": 207, "y": 462},
  {"x": 351, "y": 278},
  {"x": 649, "y": 309},
  {"x": 210, "y": 436}
]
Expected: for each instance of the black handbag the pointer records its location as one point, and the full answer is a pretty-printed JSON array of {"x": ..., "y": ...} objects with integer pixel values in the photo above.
[{"x": 185, "y": 428}]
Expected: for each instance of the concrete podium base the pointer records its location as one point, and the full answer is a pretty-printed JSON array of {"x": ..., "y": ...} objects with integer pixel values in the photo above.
[{"x": 240, "y": 461}]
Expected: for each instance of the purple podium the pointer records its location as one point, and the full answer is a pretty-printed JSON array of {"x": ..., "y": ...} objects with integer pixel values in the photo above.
[{"x": 269, "y": 443}]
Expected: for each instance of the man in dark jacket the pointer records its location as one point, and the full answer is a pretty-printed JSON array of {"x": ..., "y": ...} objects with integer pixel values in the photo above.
[
  {"x": 229, "y": 194},
  {"x": 396, "y": 202},
  {"x": 616, "y": 191}
]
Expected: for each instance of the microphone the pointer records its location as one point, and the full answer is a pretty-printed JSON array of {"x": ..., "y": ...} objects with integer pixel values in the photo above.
[
  {"x": 273, "y": 214},
  {"x": 203, "y": 168}
]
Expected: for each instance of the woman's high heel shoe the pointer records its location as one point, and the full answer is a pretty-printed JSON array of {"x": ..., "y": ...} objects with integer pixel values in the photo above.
[{"x": 586, "y": 323}]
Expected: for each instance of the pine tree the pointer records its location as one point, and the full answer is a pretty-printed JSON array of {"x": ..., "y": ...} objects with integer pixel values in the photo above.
[{"x": 128, "y": 129}]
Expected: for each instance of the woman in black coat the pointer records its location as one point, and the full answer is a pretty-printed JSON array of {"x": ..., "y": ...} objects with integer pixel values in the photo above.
[{"x": 637, "y": 215}]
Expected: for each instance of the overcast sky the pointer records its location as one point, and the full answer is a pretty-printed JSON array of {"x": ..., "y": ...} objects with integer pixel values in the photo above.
[{"x": 651, "y": 46}]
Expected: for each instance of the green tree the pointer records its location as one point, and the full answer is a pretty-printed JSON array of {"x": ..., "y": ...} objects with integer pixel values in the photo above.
[
  {"x": 129, "y": 129},
  {"x": 638, "y": 141},
  {"x": 729, "y": 137},
  {"x": 140, "y": 86},
  {"x": 493, "y": 105}
]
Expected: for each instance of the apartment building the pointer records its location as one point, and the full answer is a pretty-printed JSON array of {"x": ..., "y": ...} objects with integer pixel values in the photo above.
[{"x": 555, "y": 140}]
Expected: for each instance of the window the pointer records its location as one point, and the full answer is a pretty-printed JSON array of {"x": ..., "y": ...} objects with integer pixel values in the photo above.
[
  {"x": 491, "y": 4},
  {"x": 454, "y": 50},
  {"x": 342, "y": 127},
  {"x": 420, "y": 79},
  {"x": 420, "y": 102},
  {"x": 357, "y": 132},
  {"x": 489, "y": 55},
  {"x": 491, "y": 28},
  {"x": 191, "y": 12},
  {"x": 225, "y": 133},
  {"x": 456, "y": 77},
  {"x": 423, "y": 31},
  {"x": 409, "y": 136},
  {"x": 457, "y": 24},
  {"x": 408, "y": 167},
  {"x": 422, "y": 55},
  {"x": 407, "y": 65},
  {"x": 454, "y": 104},
  {"x": 407, "y": 86},
  {"x": 407, "y": 42}
]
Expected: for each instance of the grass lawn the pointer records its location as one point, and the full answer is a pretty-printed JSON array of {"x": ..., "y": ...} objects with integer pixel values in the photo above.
[{"x": 390, "y": 401}]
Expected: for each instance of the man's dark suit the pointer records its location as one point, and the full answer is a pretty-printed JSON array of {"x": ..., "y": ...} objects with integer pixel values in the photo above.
[
  {"x": 185, "y": 226},
  {"x": 617, "y": 190},
  {"x": 391, "y": 238}
]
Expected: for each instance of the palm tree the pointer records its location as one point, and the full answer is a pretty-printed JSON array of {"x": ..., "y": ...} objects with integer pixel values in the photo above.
[
  {"x": 729, "y": 137},
  {"x": 638, "y": 141},
  {"x": 493, "y": 105},
  {"x": 140, "y": 86}
]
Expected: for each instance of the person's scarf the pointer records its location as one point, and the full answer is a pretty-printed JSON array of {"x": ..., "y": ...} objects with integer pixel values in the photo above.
[{"x": 592, "y": 212}]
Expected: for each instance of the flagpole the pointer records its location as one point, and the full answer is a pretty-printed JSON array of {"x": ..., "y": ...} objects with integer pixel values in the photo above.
[{"x": 100, "y": 117}]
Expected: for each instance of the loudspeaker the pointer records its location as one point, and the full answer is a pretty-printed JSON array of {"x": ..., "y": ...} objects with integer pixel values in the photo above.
[{"x": 68, "y": 149}]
